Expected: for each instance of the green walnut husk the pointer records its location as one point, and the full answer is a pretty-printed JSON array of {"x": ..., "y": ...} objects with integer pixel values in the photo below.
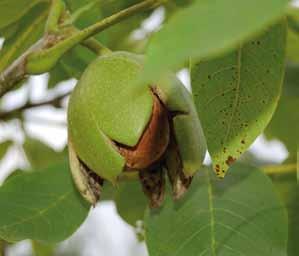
[{"x": 118, "y": 125}]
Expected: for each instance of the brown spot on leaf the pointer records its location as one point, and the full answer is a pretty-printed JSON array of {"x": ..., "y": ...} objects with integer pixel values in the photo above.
[
  {"x": 243, "y": 141},
  {"x": 230, "y": 160}
]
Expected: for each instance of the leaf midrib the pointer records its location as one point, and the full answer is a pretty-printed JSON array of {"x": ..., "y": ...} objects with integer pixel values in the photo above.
[
  {"x": 212, "y": 215},
  {"x": 237, "y": 97}
]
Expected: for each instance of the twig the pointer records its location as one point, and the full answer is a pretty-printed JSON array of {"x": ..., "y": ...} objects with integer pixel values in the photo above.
[
  {"x": 45, "y": 53},
  {"x": 92, "y": 44},
  {"x": 280, "y": 169},
  {"x": 16, "y": 72},
  {"x": 12, "y": 113},
  {"x": 78, "y": 13},
  {"x": 95, "y": 46},
  {"x": 42, "y": 61}
]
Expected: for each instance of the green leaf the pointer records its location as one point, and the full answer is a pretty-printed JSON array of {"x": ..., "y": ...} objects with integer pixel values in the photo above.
[
  {"x": 237, "y": 94},
  {"x": 293, "y": 34},
  {"x": 28, "y": 32},
  {"x": 13, "y": 174},
  {"x": 75, "y": 61},
  {"x": 208, "y": 28},
  {"x": 285, "y": 123},
  {"x": 9, "y": 31},
  {"x": 131, "y": 201},
  {"x": 238, "y": 216},
  {"x": 181, "y": 3},
  {"x": 108, "y": 192},
  {"x": 71, "y": 65},
  {"x": 116, "y": 36},
  {"x": 43, "y": 206},
  {"x": 12, "y": 10},
  {"x": 88, "y": 17},
  {"x": 293, "y": 46},
  {"x": 40, "y": 155},
  {"x": 4, "y": 146},
  {"x": 288, "y": 188}
]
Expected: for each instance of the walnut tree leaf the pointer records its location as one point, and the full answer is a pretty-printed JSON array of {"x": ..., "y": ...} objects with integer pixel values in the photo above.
[
  {"x": 42, "y": 205},
  {"x": 241, "y": 215},
  {"x": 237, "y": 94},
  {"x": 209, "y": 28}
]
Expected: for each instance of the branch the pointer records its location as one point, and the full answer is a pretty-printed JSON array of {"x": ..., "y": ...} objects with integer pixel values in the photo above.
[
  {"x": 72, "y": 18},
  {"x": 16, "y": 72},
  {"x": 15, "y": 112},
  {"x": 43, "y": 61},
  {"x": 43, "y": 56},
  {"x": 92, "y": 44},
  {"x": 95, "y": 46}
]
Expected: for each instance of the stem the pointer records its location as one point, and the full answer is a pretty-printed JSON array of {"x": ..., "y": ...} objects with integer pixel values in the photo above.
[
  {"x": 78, "y": 13},
  {"x": 43, "y": 55},
  {"x": 57, "y": 8},
  {"x": 95, "y": 46},
  {"x": 115, "y": 18},
  {"x": 42, "y": 61},
  {"x": 16, "y": 72},
  {"x": 92, "y": 44},
  {"x": 17, "y": 111},
  {"x": 280, "y": 169}
]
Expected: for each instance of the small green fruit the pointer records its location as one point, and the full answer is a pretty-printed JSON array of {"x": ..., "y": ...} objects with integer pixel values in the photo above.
[{"x": 117, "y": 125}]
